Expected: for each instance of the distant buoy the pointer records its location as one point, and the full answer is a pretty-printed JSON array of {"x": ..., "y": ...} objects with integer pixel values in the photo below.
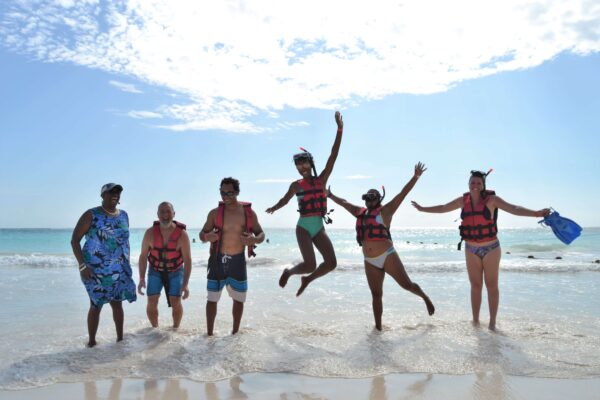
[{"x": 530, "y": 257}]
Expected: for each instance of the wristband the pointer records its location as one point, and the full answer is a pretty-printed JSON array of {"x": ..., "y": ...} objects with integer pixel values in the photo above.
[{"x": 82, "y": 267}]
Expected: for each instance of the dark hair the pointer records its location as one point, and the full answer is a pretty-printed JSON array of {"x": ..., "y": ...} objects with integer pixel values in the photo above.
[
  {"x": 232, "y": 181},
  {"x": 482, "y": 175},
  {"x": 168, "y": 204}
]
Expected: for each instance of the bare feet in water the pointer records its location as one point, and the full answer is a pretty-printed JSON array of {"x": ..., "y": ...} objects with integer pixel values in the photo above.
[
  {"x": 303, "y": 285},
  {"x": 492, "y": 327},
  {"x": 284, "y": 277}
]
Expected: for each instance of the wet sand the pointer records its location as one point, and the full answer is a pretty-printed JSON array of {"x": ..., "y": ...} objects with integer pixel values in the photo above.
[{"x": 281, "y": 386}]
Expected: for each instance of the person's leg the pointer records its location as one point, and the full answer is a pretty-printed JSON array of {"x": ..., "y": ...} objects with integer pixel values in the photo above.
[
  {"x": 118, "y": 317},
  {"x": 491, "y": 269},
  {"x": 237, "y": 311},
  {"x": 177, "y": 310},
  {"x": 175, "y": 288},
  {"x": 475, "y": 272},
  {"x": 152, "y": 310},
  {"x": 325, "y": 247},
  {"x": 211, "y": 314},
  {"x": 93, "y": 319},
  {"x": 309, "y": 262},
  {"x": 375, "y": 278},
  {"x": 394, "y": 267}
]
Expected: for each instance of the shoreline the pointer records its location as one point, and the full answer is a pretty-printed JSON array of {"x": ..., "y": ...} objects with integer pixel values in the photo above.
[{"x": 482, "y": 385}]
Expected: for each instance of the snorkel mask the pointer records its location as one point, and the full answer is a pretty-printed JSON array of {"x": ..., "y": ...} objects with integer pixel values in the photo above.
[
  {"x": 305, "y": 156},
  {"x": 373, "y": 194}
]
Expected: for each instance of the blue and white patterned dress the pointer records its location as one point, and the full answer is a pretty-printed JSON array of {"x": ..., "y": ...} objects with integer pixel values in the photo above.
[{"x": 106, "y": 252}]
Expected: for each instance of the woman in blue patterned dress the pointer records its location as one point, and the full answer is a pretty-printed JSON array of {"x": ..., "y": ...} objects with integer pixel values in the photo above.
[{"x": 104, "y": 260}]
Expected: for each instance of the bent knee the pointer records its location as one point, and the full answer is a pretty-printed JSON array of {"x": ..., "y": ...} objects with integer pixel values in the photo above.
[{"x": 310, "y": 265}]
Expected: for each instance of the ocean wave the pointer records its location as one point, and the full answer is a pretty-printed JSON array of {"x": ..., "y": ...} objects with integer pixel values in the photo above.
[
  {"x": 341, "y": 349},
  {"x": 514, "y": 264}
]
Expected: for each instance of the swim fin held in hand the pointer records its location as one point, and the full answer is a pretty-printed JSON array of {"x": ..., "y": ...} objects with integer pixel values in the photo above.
[{"x": 566, "y": 230}]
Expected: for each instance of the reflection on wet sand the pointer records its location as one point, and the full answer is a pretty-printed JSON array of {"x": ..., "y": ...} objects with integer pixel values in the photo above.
[{"x": 212, "y": 392}]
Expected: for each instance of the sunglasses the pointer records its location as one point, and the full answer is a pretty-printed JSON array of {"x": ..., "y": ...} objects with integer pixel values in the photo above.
[
  {"x": 370, "y": 196},
  {"x": 230, "y": 193}
]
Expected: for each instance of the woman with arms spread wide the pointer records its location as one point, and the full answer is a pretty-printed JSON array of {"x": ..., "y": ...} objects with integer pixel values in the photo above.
[
  {"x": 373, "y": 224},
  {"x": 478, "y": 229}
]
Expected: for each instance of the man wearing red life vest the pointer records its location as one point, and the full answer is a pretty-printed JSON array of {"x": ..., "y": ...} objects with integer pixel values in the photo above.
[
  {"x": 229, "y": 228},
  {"x": 166, "y": 248}
]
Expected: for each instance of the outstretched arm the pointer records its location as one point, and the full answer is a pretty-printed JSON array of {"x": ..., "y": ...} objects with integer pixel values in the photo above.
[
  {"x": 284, "y": 200},
  {"x": 352, "y": 209},
  {"x": 390, "y": 208},
  {"x": 453, "y": 205},
  {"x": 334, "y": 150},
  {"x": 517, "y": 210}
]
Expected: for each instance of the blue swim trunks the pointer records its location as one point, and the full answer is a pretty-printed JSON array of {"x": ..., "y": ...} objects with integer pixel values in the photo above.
[
  {"x": 227, "y": 271},
  {"x": 155, "y": 283}
]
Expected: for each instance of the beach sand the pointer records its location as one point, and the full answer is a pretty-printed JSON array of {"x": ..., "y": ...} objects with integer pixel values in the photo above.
[{"x": 281, "y": 386}]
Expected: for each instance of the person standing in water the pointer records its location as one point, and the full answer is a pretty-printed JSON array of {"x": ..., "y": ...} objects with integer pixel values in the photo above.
[
  {"x": 104, "y": 260},
  {"x": 373, "y": 223},
  {"x": 312, "y": 205},
  {"x": 229, "y": 228},
  {"x": 478, "y": 229},
  {"x": 166, "y": 247}
]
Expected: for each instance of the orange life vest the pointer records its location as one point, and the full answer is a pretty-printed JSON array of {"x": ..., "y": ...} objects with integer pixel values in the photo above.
[
  {"x": 165, "y": 257},
  {"x": 367, "y": 227},
  {"x": 478, "y": 225},
  {"x": 312, "y": 200}
]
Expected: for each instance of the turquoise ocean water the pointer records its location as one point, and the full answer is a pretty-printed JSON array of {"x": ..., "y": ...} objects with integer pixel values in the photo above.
[{"x": 549, "y": 318}]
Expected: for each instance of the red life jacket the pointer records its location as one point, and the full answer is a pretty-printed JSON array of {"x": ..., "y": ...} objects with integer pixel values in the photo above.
[
  {"x": 478, "y": 225},
  {"x": 366, "y": 224},
  {"x": 312, "y": 200},
  {"x": 166, "y": 257},
  {"x": 215, "y": 246}
]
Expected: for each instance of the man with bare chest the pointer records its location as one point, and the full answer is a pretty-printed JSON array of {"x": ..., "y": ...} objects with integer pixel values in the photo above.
[{"x": 229, "y": 228}]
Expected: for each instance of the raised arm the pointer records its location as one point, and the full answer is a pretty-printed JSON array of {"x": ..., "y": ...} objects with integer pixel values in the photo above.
[
  {"x": 517, "y": 210},
  {"x": 284, "y": 200},
  {"x": 83, "y": 225},
  {"x": 390, "y": 208},
  {"x": 453, "y": 205},
  {"x": 352, "y": 209},
  {"x": 143, "y": 260},
  {"x": 324, "y": 176}
]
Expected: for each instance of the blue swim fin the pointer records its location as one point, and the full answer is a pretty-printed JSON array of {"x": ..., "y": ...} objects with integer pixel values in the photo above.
[{"x": 566, "y": 230}]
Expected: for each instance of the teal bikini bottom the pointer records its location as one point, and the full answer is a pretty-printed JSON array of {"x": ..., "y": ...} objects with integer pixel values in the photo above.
[{"x": 312, "y": 225}]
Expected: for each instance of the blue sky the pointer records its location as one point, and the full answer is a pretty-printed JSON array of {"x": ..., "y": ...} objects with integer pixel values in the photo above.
[{"x": 93, "y": 93}]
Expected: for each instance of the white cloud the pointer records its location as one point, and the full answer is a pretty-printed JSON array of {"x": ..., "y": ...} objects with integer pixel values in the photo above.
[
  {"x": 144, "y": 114},
  {"x": 358, "y": 177},
  {"x": 237, "y": 61},
  {"x": 126, "y": 87}
]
